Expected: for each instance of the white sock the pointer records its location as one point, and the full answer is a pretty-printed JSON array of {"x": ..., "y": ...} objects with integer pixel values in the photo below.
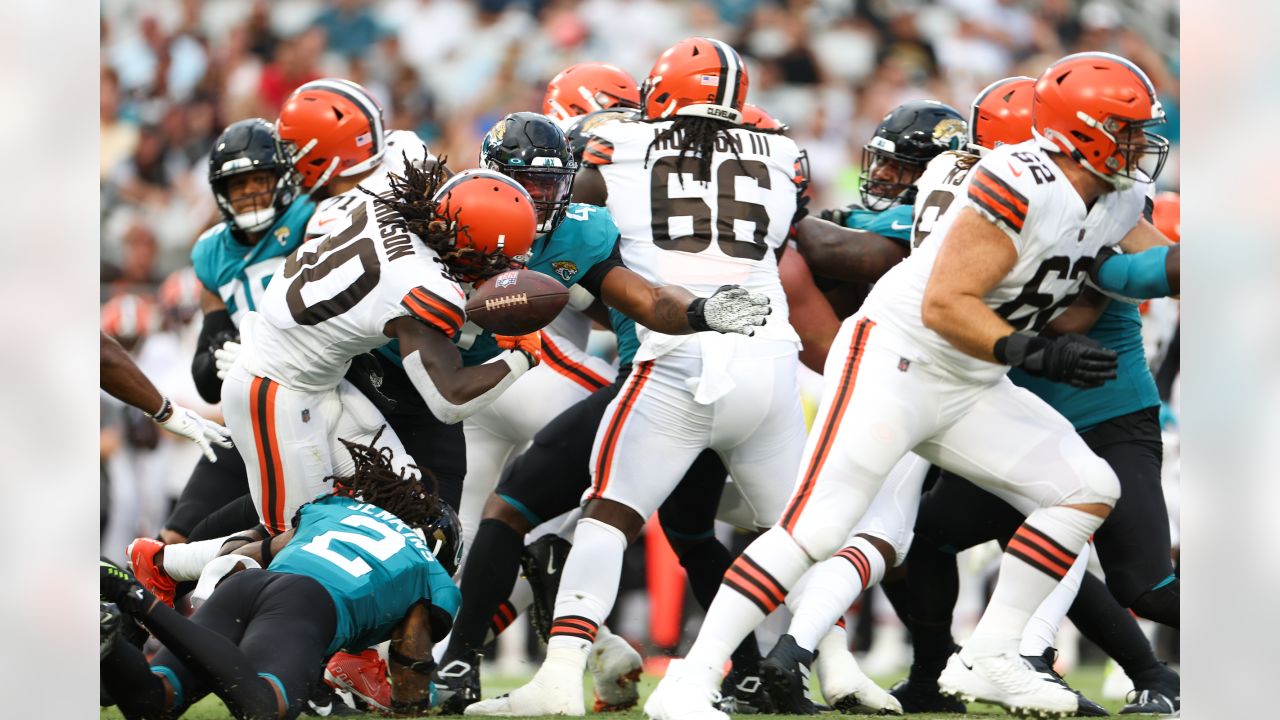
[
  {"x": 1042, "y": 630},
  {"x": 830, "y": 588},
  {"x": 1037, "y": 558},
  {"x": 588, "y": 590},
  {"x": 753, "y": 587},
  {"x": 185, "y": 561}
]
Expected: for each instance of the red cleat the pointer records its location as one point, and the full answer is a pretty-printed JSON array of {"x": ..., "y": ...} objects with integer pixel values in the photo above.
[
  {"x": 142, "y": 561},
  {"x": 363, "y": 675}
]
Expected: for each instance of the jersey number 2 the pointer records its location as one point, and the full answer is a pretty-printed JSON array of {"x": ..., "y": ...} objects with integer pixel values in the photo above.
[
  {"x": 728, "y": 208},
  {"x": 382, "y": 549},
  {"x": 336, "y": 250}
]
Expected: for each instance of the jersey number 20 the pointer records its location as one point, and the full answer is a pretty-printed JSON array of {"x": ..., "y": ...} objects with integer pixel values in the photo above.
[
  {"x": 728, "y": 207},
  {"x": 336, "y": 250}
]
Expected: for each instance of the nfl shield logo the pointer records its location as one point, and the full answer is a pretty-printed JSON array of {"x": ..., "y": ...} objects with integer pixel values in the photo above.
[
  {"x": 306, "y": 416},
  {"x": 506, "y": 280}
]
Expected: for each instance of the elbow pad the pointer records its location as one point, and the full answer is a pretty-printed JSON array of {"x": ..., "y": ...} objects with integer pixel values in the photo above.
[
  {"x": 450, "y": 413},
  {"x": 1135, "y": 277},
  {"x": 216, "y": 330}
]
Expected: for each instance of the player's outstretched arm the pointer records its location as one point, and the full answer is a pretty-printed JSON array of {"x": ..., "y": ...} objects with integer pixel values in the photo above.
[
  {"x": 811, "y": 315},
  {"x": 1151, "y": 266},
  {"x": 124, "y": 381},
  {"x": 411, "y": 662},
  {"x": 451, "y": 391},
  {"x": 674, "y": 310},
  {"x": 843, "y": 253}
]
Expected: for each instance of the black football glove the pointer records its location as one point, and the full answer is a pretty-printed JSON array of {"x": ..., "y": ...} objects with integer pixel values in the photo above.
[
  {"x": 837, "y": 216},
  {"x": 119, "y": 586},
  {"x": 1074, "y": 359}
]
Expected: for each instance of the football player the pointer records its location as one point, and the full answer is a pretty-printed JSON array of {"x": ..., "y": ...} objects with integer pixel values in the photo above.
[
  {"x": 702, "y": 203},
  {"x": 923, "y": 365},
  {"x": 580, "y": 247},
  {"x": 1118, "y": 421},
  {"x": 364, "y": 564}
]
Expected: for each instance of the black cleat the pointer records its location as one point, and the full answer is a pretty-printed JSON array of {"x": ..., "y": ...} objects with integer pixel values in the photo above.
[
  {"x": 1158, "y": 690},
  {"x": 1043, "y": 665},
  {"x": 108, "y": 628},
  {"x": 326, "y": 702},
  {"x": 743, "y": 693},
  {"x": 918, "y": 696},
  {"x": 542, "y": 561},
  {"x": 458, "y": 682},
  {"x": 785, "y": 672}
]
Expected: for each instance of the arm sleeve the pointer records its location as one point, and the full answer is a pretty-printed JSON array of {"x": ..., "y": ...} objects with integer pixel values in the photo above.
[
  {"x": 1141, "y": 275},
  {"x": 448, "y": 412},
  {"x": 217, "y": 329},
  {"x": 434, "y": 310},
  {"x": 592, "y": 278}
]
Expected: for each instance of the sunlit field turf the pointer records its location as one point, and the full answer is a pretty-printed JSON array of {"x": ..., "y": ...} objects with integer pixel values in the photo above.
[{"x": 1085, "y": 679}]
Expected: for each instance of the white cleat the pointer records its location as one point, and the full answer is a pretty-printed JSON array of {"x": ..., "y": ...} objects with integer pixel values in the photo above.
[
  {"x": 1006, "y": 680},
  {"x": 543, "y": 695},
  {"x": 683, "y": 695},
  {"x": 615, "y": 668},
  {"x": 847, "y": 689}
]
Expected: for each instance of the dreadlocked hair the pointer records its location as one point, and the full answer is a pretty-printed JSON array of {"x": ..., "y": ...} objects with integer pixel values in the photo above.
[
  {"x": 412, "y": 196},
  {"x": 696, "y": 136},
  {"x": 377, "y": 482}
]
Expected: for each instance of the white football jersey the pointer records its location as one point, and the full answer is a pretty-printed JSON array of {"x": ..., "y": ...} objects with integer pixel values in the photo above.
[
  {"x": 701, "y": 233},
  {"x": 330, "y": 211},
  {"x": 332, "y": 299},
  {"x": 1020, "y": 190},
  {"x": 937, "y": 189}
]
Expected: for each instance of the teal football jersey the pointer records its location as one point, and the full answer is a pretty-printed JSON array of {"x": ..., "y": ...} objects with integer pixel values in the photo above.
[
  {"x": 374, "y": 566},
  {"x": 239, "y": 273},
  {"x": 1118, "y": 328},
  {"x": 894, "y": 223},
  {"x": 586, "y": 237}
]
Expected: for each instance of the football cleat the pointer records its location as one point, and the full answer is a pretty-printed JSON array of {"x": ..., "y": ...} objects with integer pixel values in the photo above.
[
  {"x": 1006, "y": 680},
  {"x": 847, "y": 688},
  {"x": 615, "y": 669},
  {"x": 785, "y": 672},
  {"x": 118, "y": 586},
  {"x": 916, "y": 696},
  {"x": 325, "y": 701},
  {"x": 458, "y": 682},
  {"x": 743, "y": 692},
  {"x": 682, "y": 695},
  {"x": 1044, "y": 666},
  {"x": 542, "y": 561},
  {"x": 1158, "y": 690},
  {"x": 548, "y": 693},
  {"x": 363, "y": 675},
  {"x": 142, "y": 561},
  {"x": 108, "y": 628}
]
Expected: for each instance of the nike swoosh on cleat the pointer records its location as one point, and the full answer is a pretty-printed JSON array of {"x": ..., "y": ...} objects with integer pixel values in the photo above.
[{"x": 551, "y": 563}]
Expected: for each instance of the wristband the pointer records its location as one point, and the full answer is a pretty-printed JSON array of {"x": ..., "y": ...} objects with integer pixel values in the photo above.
[
  {"x": 421, "y": 667},
  {"x": 165, "y": 412},
  {"x": 697, "y": 316}
]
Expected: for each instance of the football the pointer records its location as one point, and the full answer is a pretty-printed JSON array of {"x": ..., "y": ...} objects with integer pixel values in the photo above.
[{"x": 517, "y": 302}]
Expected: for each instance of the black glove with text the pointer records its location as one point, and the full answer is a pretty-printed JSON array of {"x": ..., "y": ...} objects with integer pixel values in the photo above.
[{"x": 1074, "y": 359}]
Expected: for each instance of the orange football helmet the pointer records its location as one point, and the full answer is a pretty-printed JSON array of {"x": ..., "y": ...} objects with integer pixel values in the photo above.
[
  {"x": 331, "y": 126},
  {"x": 180, "y": 294},
  {"x": 586, "y": 87},
  {"x": 491, "y": 213},
  {"x": 700, "y": 77},
  {"x": 1096, "y": 107},
  {"x": 1166, "y": 215},
  {"x": 1001, "y": 113},
  {"x": 129, "y": 318},
  {"x": 754, "y": 116}
]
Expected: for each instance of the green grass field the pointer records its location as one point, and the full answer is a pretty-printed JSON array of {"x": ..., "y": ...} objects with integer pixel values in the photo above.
[{"x": 1085, "y": 679}]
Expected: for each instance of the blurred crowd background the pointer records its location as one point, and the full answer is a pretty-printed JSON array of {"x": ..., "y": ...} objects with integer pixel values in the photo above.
[{"x": 174, "y": 73}]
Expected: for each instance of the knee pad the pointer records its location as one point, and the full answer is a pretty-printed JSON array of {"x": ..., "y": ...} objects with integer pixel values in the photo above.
[
  {"x": 819, "y": 542},
  {"x": 1098, "y": 483}
]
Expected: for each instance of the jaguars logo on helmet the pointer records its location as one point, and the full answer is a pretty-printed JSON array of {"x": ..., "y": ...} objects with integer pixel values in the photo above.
[{"x": 532, "y": 150}]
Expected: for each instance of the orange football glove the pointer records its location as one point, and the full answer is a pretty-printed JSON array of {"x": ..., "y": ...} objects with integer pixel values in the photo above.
[{"x": 530, "y": 345}]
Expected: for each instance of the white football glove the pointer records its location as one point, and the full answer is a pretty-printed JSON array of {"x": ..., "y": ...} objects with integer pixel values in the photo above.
[
  {"x": 225, "y": 356},
  {"x": 730, "y": 309},
  {"x": 197, "y": 429}
]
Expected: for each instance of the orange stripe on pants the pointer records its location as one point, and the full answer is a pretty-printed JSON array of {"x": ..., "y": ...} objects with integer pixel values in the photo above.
[{"x": 604, "y": 462}]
